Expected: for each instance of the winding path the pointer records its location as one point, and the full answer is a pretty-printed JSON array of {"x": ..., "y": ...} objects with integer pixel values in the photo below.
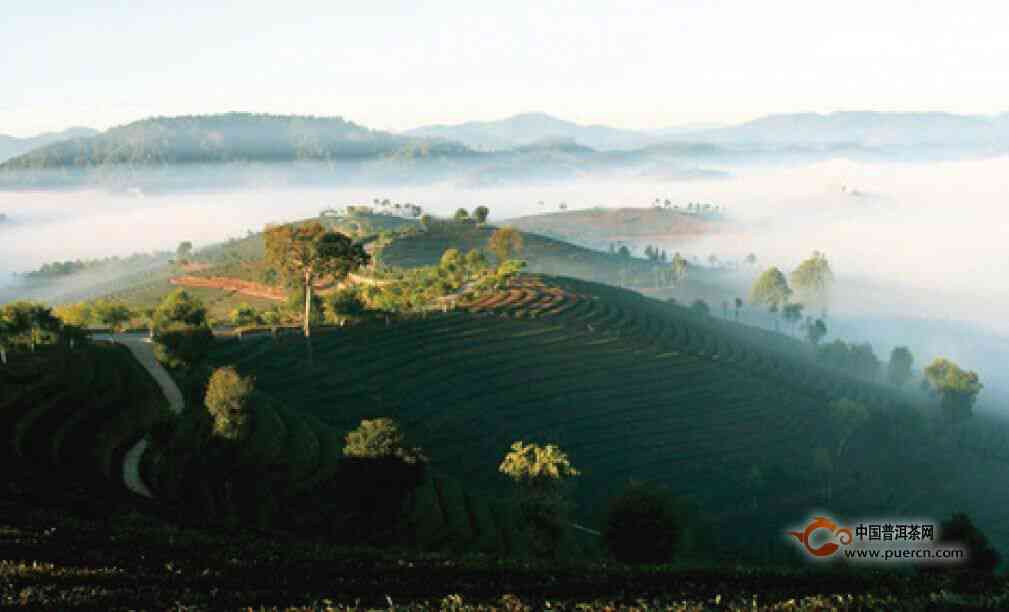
[{"x": 144, "y": 353}]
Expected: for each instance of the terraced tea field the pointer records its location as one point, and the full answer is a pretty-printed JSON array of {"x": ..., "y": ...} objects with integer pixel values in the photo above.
[
  {"x": 629, "y": 387},
  {"x": 75, "y": 413}
]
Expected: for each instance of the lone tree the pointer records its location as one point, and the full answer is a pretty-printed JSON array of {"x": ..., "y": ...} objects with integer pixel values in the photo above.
[
  {"x": 680, "y": 268},
  {"x": 813, "y": 279},
  {"x": 114, "y": 315},
  {"x": 956, "y": 388},
  {"x": 228, "y": 402},
  {"x": 380, "y": 438},
  {"x": 541, "y": 472},
  {"x": 307, "y": 253},
  {"x": 642, "y": 525},
  {"x": 739, "y": 305},
  {"x": 771, "y": 289},
  {"x": 480, "y": 214},
  {"x": 506, "y": 243},
  {"x": 898, "y": 371},
  {"x": 461, "y": 215}
]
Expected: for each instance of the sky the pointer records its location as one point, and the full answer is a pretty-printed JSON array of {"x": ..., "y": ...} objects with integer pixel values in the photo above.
[{"x": 397, "y": 65}]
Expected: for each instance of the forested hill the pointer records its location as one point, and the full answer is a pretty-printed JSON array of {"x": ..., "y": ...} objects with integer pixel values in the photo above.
[{"x": 231, "y": 137}]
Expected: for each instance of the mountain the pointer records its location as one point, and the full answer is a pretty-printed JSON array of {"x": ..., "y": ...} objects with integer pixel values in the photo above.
[
  {"x": 864, "y": 128},
  {"x": 529, "y": 128},
  {"x": 230, "y": 137},
  {"x": 11, "y": 146}
]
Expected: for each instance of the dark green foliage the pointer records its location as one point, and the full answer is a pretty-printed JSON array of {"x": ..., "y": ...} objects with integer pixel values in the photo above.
[
  {"x": 480, "y": 214},
  {"x": 700, "y": 308},
  {"x": 344, "y": 304},
  {"x": 898, "y": 371},
  {"x": 179, "y": 308},
  {"x": 181, "y": 346},
  {"x": 855, "y": 359},
  {"x": 643, "y": 525},
  {"x": 959, "y": 529}
]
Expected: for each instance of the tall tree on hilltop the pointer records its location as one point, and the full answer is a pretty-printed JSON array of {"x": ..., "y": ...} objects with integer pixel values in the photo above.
[
  {"x": 813, "y": 279},
  {"x": 505, "y": 243},
  {"x": 308, "y": 253},
  {"x": 957, "y": 388},
  {"x": 771, "y": 289}
]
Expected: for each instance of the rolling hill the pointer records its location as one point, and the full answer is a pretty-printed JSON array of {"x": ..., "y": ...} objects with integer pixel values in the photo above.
[
  {"x": 12, "y": 147},
  {"x": 630, "y": 387},
  {"x": 231, "y": 137}
]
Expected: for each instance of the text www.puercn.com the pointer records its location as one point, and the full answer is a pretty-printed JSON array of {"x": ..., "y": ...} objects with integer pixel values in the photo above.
[{"x": 907, "y": 553}]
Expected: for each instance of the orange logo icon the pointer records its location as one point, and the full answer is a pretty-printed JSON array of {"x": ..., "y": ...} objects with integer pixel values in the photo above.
[{"x": 842, "y": 534}]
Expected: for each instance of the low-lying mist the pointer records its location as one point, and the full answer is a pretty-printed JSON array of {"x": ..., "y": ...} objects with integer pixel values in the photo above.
[{"x": 924, "y": 243}]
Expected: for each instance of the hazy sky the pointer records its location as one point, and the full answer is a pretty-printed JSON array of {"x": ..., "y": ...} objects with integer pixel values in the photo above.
[{"x": 395, "y": 65}]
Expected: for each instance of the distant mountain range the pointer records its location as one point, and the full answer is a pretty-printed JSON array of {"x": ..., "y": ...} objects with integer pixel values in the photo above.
[
  {"x": 530, "y": 146},
  {"x": 12, "y": 147},
  {"x": 861, "y": 128}
]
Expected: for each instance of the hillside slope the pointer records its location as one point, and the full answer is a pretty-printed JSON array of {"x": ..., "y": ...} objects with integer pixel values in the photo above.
[
  {"x": 602, "y": 226},
  {"x": 630, "y": 387}
]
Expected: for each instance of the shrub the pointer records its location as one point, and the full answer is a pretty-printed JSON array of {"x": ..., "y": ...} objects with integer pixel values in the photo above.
[
  {"x": 380, "y": 438},
  {"x": 228, "y": 401},
  {"x": 642, "y": 525},
  {"x": 178, "y": 307},
  {"x": 343, "y": 304},
  {"x": 244, "y": 315},
  {"x": 959, "y": 529}
]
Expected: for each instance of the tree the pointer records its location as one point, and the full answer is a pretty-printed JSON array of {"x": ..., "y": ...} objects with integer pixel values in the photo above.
[
  {"x": 79, "y": 314},
  {"x": 114, "y": 315},
  {"x": 480, "y": 214},
  {"x": 624, "y": 252},
  {"x": 451, "y": 259},
  {"x": 29, "y": 321},
  {"x": 739, "y": 305},
  {"x": 813, "y": 279},
  {"x": 461, "y": 215},
  {"x": 643, "y": 525},
  {"x": 228, "y": 402},
  {"x": 956, "y": 388},
  {"x": 183, "y": 252},
  {"x": 751, "y": 259},
  {"x": 6, "y": 336},
  {"x": 182, "y": 335},
  {"x": 771, "y": 290},
  {"x": 475, "y": 261},
  {"x": 308, "y": 253},
  {"x": 898, "y": 371},
  {"x": 959, "y": 529},
  {"x": 380, "y": 438},
  {"x": 506, "y": 243},
  {"x": 680, "y": 268},
  {"x": 426, "y": 221},
  {"x": 792, "y": 313},
  {"x": 815, "y": 330},
  {"x": 541, "y": 473},
  {"x": 244, "y": 315}
]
